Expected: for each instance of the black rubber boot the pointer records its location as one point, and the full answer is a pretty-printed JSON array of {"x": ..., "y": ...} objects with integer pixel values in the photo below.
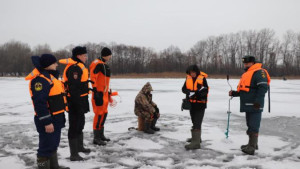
[
  {"x": 148, "y": 129},
  {"x": 190, "y": 139},
  {"x": 43, "y": 163},
  {"x": 244, "y": 146},
  {"x": 73, "y": 143},
  {"x": 81, "y": 145},
  {"x": 102, "y": 137},
  {"x": 54, "y": 162},
  {"x": 153, "y": 123},
  {"x": 97, "y": 139},
  {"x": 195, "y": 143},
  {"x": 250, "y": 149}
]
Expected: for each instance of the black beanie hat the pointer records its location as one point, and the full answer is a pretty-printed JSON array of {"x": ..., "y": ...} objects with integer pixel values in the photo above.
[
  {"x": 78, "y": 50},
  {"x": 47, "y": 60},
  {"x": 105, "y": 52}
]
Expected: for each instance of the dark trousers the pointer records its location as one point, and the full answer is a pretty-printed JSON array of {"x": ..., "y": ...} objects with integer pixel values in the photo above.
[
  {"x": 76, "y": 124},
  {"x": 253, "y": 120},
  {"x": 48, "y": 142},
  {"x": 197, "y": 117}
]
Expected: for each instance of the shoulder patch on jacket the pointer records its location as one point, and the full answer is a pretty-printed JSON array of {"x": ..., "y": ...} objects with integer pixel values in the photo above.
[
  {"x": 263, "y": 74},
  {"x": 38, "y": 86}
]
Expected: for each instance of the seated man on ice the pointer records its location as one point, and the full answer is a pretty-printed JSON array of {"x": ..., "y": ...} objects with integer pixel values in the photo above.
[{"x": 146, "y": 110}]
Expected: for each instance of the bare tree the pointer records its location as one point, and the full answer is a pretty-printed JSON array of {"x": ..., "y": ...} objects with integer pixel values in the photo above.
[
  {"x": 41, "y": 49},
  {"x": 286, "y": 50},
  {"x": 15, "y": 58},
  {"x": 198, "y": 51},
  {"x": 265, "y": 41},
  {"x": 215, "y": 55},
  {"x": 297, "y": 48}
]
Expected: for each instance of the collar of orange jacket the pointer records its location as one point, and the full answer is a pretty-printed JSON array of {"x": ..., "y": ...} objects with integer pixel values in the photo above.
[
  {"x": 255, "y": 66},
  {"x": 67, "y": 61}
]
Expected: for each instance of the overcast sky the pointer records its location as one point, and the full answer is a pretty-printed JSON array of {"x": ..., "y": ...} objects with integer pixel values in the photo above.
[{"x": 150, "y": 23}]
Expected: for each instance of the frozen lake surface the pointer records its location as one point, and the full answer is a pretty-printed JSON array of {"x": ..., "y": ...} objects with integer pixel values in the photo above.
[{"x": 278, "y": 142}]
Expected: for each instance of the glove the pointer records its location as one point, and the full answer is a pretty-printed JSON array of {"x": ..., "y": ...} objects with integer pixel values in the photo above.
[
  {"x": 233, "y": 93},
  {"x": 156, "y": 109},
  {"x": 256, "y": 106}
]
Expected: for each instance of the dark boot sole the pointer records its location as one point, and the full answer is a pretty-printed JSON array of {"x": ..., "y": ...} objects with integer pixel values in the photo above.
[
  {"x": 155, "y": 129},
  {"x": 85, "y": 151},
  {"x": 99, "y": 144},
  {"x": 247, "y": 152},
  {"x": 76, "y": 159},
  {"x": 244, "y": 146},
  {"x": 187, "y": 148},
  {"x": 107, "y": 140}
]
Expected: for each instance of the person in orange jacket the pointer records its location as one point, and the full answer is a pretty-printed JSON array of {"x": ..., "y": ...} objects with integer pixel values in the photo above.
[
  {"x": 100, "y": 76},
  {"x": 76, "y": 77},
  {"x": 253, "y": 85},
  {"x": 48, "y": 98}
]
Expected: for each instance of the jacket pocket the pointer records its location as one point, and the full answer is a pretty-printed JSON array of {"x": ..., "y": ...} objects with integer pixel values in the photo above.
[{"x": 98, "y": 98}]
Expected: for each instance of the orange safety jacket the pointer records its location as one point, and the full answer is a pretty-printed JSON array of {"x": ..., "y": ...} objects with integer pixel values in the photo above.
[
  {"x": 193, "y": 86},
  {"x": 101, "y": 81},
  {"x": 245, "y": 81},
  {"x": 57, "y": 102},
  {"x": 85, "y": 73}
]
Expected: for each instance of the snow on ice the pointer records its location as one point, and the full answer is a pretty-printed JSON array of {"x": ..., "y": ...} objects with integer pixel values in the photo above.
[{"x": 278, "y": 142}]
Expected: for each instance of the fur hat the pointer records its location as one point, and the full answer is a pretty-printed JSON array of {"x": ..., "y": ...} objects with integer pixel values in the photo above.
[{"x": 78, "y": 50}]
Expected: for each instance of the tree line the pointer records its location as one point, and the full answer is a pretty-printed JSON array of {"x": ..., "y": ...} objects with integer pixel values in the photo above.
[{"x": 214, "y": 55}]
